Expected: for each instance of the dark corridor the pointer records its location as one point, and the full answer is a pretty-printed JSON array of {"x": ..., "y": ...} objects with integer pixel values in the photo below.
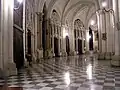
[
  {"x": 79, "y": 46},
  {"x": 56, "y": 46},
  {"x": 90, "y": 39},
  {"x": 67, "y": 45}
]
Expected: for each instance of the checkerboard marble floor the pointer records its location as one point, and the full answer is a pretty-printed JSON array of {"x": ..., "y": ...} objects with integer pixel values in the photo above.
[{"x": 66, "y": 73}]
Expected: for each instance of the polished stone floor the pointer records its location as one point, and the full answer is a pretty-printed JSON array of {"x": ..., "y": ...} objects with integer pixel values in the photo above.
[{"x": 66, "y": 73}]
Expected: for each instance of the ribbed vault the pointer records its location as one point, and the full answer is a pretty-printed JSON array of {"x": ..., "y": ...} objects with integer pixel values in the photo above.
[{"x": 70, "y": 9}]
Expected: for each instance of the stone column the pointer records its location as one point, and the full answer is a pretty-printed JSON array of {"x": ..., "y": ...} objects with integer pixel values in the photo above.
[
  {"x": 39, "y": 30},
  {"x": 71, "y": 40},
  {"x": 1, "y": 32},
  {"x": 99, "y": 33},
  {"x": 106, "y": 31},
  {"x": 24, "y": 27},
  {"x": 7, "y": 37},
  {"x": 41, "y": 20},
  {"x": 87, "y": 40},
  {"x": 39, "y": 33},
  {"x": 58, "y": 39},
  {"x": 116, "y": 58},
  {"x": 76, "y": 42},
  {"x": 32, "y": 41},
  {"x": 102, "y": 31},
  {"x": 53, "y": 39},
  {"x": 48, "y": 50},
  {"x": 82, "y": 42},
  {"x": 93, "y": 40},
  {"x": 116, "y": 9},
  {"x": 63, "y": 42},
  {"x": 110, "y": 31}
]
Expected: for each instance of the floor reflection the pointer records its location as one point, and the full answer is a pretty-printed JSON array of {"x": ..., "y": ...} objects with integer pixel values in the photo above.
[{"x": 66, "y": 73}]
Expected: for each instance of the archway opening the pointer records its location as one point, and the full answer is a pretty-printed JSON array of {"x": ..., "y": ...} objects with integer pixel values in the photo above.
[
  {"x": 55, "y": 33},
  {"x": 80, "y": 46},
  {"x": 44, "y": 30},
  {"x": 79, "y": 35},
  {"x": 90, "y": 39},
  {"x": 67, "y": 46},
  {"x": 18, "y": 50},
  {"x": 56, "y": 46}
]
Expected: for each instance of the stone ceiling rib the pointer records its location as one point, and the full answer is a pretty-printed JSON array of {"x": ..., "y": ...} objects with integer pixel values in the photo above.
[
  {"x": 79, "y": 9},
  {"x": 64, "y": 9},
  {"x": 87, "y": 13},
  {"x": 76, "y": 5},
  {"x": 67, "y": 6},
  {"x": 50, "y": 6}
]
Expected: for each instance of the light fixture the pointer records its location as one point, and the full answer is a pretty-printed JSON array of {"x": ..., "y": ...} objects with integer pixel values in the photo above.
[
  {"x": 89, "y": 36},
  {"x": 17, "y": 5},
  {"x": 104, "y": 4},
  {"x": 92, "y": 22},
  {"x": 64, "y": 33},
  {"x": 20, "y": 1}
]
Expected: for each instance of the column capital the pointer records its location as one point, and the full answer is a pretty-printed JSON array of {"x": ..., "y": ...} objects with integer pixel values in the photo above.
[{"x": 40, "y": 15}]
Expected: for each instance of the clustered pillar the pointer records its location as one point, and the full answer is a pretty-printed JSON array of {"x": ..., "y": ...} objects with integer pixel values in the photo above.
[
  {"x": 106, "y": 31},
  {"x": 39, "y": 35},
  {"x": 6, "y": 37}
]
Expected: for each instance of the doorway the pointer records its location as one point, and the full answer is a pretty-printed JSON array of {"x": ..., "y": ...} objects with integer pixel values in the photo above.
[
  {"x": 29, "y": 42},
  {"x": 18, "y": 48},
  {"x": 56, "y": 46},
  {"x": 80, "y": 46},
  {"x": 44, "y": 25},
  {"x": 67, "y": 45},
  {"x": 90, "y": 39}
]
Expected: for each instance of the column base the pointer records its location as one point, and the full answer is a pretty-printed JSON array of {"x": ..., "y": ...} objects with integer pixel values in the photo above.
[
  {"x": 34, "y": 58},
  {"x": 105, "y": 56},
  {"x": 101, "y": 56},
  {"x": 48, "y": 53},
  {"x": 108, "y": 56},
  {"x": 39, "y": 53},
  {"x": 87, "y": 52},
  {"x": 73, "y": 53},
  {"x": 10, "y": 69},
  {"x": 53, "y": 54},
  {"x": 115, "y": 60},
  {"x": 63, "y": 54}
]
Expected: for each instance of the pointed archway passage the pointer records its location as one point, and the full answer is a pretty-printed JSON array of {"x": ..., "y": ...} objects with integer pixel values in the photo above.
[
  {"x": 90, "y": 39},
  {"x": 29, "y": 42},
  {"x": 80, "y": 46},
  {"x": 18, "y": 48},
  {"x": 67, "y": 46},
  {"x": 44, "y": 23},
  {"x": 56, "y": 46}
]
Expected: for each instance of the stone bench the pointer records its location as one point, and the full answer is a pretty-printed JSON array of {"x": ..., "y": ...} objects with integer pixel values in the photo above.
[{"x": 115, "y": 60}]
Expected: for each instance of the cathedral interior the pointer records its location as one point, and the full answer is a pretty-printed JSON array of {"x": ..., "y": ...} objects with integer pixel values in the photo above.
[{"x": 59, "y": 45}]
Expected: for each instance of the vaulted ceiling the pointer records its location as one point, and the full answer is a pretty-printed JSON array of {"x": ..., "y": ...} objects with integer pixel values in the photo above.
[{"x": 70, "y": 10}]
